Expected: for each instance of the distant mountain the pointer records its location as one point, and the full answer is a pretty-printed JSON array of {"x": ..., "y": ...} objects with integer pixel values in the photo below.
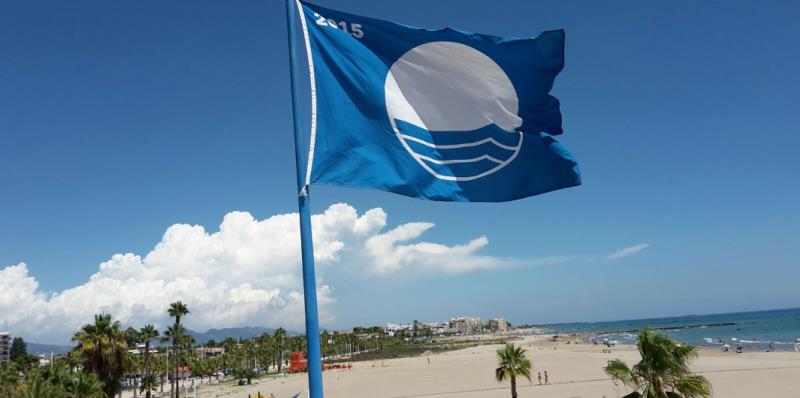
[
  {"x": 245, "y": 332},
  {"x": 46, "y": 349}
]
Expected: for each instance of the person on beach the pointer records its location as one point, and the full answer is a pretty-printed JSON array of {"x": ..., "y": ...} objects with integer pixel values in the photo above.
[
  {"x": 540, "y": 378},
  {"x": 546, "y": 378}
]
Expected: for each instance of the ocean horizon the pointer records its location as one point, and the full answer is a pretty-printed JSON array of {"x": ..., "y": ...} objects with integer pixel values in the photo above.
[{"x": 755, "y": 330}]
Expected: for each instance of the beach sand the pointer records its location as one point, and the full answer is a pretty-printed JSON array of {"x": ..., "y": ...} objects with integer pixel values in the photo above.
[{"x": 575, "y": 371}]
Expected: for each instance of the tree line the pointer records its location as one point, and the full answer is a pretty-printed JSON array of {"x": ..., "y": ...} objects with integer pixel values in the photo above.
[{"x": 107, "y": 358}]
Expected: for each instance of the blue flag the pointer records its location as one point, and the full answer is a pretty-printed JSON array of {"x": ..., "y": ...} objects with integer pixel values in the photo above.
[{"x": 434, "y": 114}]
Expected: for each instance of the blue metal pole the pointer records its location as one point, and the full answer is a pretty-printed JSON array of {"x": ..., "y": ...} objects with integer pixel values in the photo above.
[
  {"x": 310, "y": 295},
  {"x": 306, "y": 240}
]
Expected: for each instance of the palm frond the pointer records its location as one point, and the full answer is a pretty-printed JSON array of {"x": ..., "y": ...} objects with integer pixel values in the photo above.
[
  {"x": 693, "y": 387},
  {"x": 619, "y": 370},
  {"x": 500, "y": 374}
]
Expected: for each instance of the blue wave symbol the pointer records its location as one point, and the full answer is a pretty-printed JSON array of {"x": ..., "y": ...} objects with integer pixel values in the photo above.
[{"x": 460, "y": 155}]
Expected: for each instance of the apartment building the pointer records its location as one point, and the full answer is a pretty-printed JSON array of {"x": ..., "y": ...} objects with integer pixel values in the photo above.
[{"x": 5, "y": 347}]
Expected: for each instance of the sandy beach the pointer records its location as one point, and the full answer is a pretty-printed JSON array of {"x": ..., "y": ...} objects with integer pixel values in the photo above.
[{"x": 574, "y": 370}]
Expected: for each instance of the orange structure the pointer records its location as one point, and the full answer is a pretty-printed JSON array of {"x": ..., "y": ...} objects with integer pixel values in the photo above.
[{"x": 299, "y": 364}]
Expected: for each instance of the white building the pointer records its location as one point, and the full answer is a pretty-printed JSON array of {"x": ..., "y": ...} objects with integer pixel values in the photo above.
[
  {"x": 208, "y": 352},
  {"x": 498, "y": 325},
  {"x": 437, "y": 328},
  {"x": 392, "y": 328},
  {"x": 466, "y": 325},
  {"x": 5, "y": 347}
]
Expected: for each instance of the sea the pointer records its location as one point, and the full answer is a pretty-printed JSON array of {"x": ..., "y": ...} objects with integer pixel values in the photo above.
[{"x": 756, "y": 330}]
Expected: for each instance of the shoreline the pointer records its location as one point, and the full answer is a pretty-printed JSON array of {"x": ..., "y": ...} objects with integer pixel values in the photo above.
[{"x": 778, "y": 329}]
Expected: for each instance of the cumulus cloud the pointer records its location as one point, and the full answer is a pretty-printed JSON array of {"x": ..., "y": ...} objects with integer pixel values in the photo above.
[
  {"x": 628, "y": 251},
  {"x": 247, "y": 273}
]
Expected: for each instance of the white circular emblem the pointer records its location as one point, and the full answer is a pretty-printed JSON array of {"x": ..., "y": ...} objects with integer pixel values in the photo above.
[{"x": 458, "y": 110}]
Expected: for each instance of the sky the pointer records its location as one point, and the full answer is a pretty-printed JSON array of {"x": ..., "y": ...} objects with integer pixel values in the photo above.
[{"x": 146, "y": 155}]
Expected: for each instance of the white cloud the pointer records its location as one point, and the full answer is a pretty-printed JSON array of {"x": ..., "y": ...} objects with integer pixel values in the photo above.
[
  {"x": 546, "y": 261},
  {"x": 628, "y": 251},
  {"x": 389, "y": 252},
  {"x": 247, "y": 273}
]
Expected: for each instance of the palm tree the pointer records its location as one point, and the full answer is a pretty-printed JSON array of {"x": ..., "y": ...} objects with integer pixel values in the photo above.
[
  {"x": 202, "y": 367},
  {"x": 38, "y": 386},
  {"x": 149, "y": 383},
  {"x": 162, "y": 366},
  {"x": 663, "y": 371},
  {"x": 103, "y": 350},
  {"x": 9, "y": 380},
  {"x": 280, "y": 336},
  {"x": 133, "y": 366},
  {"x": 57, "y": 374},
  {"x": 250, "y": 353},
  {"x": 265, "y": 351},
  {"x": 177, "y": 310},
  {"x": 176, "y": 333},
  {"x": 147, "y": 333},
  {"x": 245, "y": 375},
  {"x": 85, "y": 385},
  {"x": 131, "y": 336},
  {"x": 73, "y": 359},
  {"x": 229, "y": 344},
  {"x": 512, "y": 363}
]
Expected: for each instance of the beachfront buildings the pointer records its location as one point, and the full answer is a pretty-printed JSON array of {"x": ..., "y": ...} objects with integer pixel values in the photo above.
[
  {"x": 498, "y": 325},
  {"x": 392, "y": 328},
  {"x": 437, "y": 328},
  {"x": 5, "y": 347},
  {"x": 466, "y": 325},
  {"x": 209, "y": 352},
  {"x": 140, "y": 349}
]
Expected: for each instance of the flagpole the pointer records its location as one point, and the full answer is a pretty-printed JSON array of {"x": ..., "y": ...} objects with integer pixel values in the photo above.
[{"x": 304, "y": 207}]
